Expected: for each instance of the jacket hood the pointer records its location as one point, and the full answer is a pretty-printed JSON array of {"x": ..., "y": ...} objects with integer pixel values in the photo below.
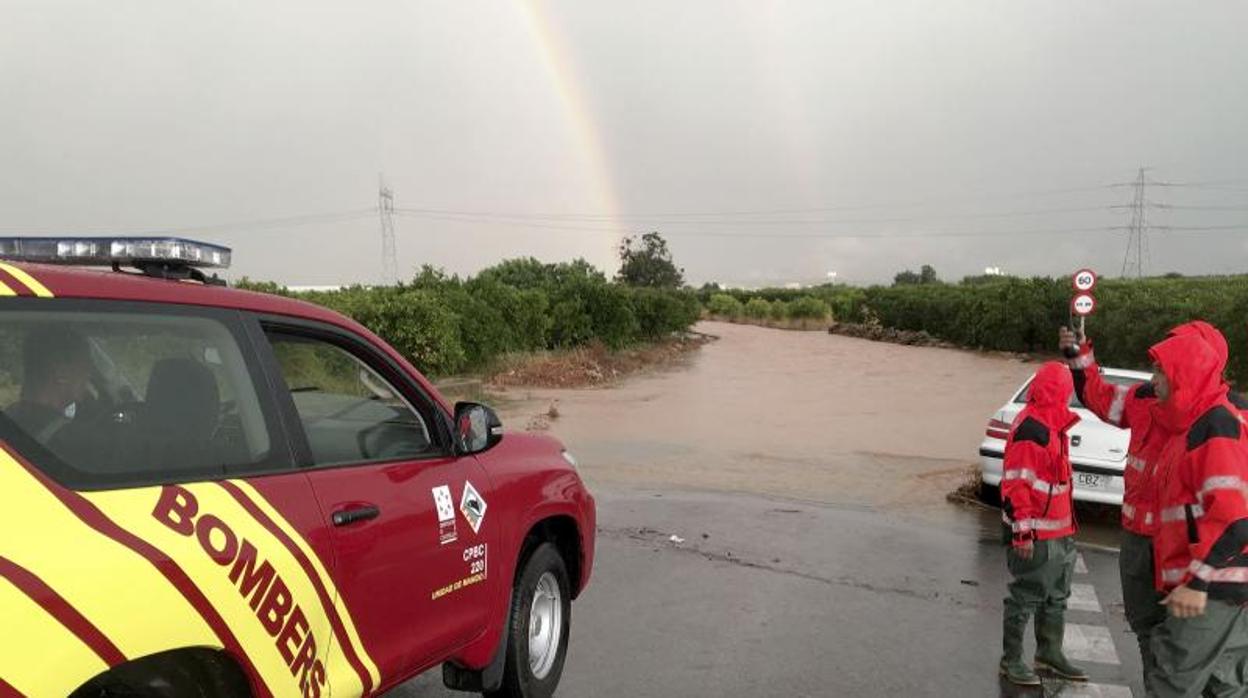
[
  {"x": 1048, "y": 399},
  {"x": 1212, "y": 337},
  {"x": 1193, "y": 370}
]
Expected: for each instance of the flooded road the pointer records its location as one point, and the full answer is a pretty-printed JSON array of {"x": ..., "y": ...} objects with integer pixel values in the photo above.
[
  {"x": 803, "y": 476},
  {"x": 807, "y": 415}
]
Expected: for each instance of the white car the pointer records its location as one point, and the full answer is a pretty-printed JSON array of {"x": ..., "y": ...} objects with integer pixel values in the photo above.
[{"x": 1098, "y": 451}]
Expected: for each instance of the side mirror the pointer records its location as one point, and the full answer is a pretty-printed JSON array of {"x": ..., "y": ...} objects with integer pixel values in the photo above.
[{"x": 477, "y": 428}]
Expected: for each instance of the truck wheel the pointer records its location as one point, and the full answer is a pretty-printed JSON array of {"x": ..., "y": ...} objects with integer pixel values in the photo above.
[{"x": 537, "y": 638}]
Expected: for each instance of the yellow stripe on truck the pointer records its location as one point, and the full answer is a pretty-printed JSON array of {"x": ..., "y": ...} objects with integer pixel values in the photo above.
[
  {"x": 35, "y": 656},
  {"x": 327, "y": 581},
  {"x": 31, "y": 282},
  {"x": 113, "y": 587},
  {"x": 249, "y": 576},
  {"x": 5, "y": 290}
]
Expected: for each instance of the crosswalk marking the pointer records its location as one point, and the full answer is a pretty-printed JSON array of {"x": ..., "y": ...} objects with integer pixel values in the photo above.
[
  {"x": 1094, "y": 690},
  {"x": 1081, "y": 567},
  {"x": 1083, "y": 598},
  {"x": 1090, "y": 643}
]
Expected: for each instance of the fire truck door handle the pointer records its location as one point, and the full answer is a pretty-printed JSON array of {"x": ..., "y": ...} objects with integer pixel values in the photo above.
[{"x": 346, "y": 517}]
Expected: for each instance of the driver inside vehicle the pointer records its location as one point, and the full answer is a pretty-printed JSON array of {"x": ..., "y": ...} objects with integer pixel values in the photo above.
[{"x": 56, "y": 365}]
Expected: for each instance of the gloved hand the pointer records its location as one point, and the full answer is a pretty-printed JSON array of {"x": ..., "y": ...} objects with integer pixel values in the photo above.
[{"x": 1069, "y": 342}]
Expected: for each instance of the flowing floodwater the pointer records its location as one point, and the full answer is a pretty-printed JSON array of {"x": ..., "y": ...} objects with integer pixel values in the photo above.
[{"x": 803, "y": 415}]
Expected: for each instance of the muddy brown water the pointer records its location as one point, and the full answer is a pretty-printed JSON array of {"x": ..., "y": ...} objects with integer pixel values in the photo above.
[{"x": 804, "y": 415}]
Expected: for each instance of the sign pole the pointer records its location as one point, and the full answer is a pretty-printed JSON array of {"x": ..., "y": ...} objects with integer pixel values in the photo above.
[{"x": 1084, "y": 283}]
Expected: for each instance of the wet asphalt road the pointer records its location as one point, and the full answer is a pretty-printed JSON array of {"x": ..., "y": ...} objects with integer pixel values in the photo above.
[{"x": 779, "y": 597}]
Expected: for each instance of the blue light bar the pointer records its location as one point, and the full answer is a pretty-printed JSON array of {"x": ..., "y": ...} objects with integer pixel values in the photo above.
[{"x": 106, "y": 251}]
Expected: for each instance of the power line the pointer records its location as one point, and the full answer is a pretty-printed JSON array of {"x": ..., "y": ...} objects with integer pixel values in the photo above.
[
  {"x": 765, "y": 235},
  {"x": 656, "y": 220},
  {"x": 1199, "y": 208},
  {"x": 1192, "y": 228},
  {"x": 585, "y": 216}
]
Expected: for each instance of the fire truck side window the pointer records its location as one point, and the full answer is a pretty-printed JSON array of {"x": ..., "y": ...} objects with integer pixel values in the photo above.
[
  {"x": 349, "y": 412},
  {"x": 111, "y": 399}
]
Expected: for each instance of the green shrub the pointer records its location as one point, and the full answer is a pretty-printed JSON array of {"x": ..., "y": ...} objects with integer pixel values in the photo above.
[
  {"x": 610, "y": 310},
  {"x": 724, "y": 305},
  {"x": 757, "y": 309},
  {"x": 779, "y": 310},
  {"x": 415, "y": 322},
  {"x": 808, "y": 308},
  {"x": 661, "y": 313}
]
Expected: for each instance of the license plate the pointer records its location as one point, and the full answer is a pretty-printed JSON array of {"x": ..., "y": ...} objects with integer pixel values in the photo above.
[{"x": 1091, "y": 481}]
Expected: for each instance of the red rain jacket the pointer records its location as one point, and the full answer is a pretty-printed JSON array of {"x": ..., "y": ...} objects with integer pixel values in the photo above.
[
  {"x": 1130, "y": 407},
  {"x": 1201, "y": 475},
  {"x": 1036, "y": 485},
  {"x": 1126, "y": 406}
]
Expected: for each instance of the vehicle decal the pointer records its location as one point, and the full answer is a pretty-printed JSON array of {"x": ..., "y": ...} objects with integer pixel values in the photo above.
[
  {"x": 43, "y": 658},
  {"x": 472, "y": 506},
  {"x": 345, "y": 632},
  {"x": 251, "y": 577},
  {"x": 56, "y": 606},
  {"x": 477, "y": 559},
  {"x": 6, "y": 291},
  {"x": 27, "y": 280},
  {"x": 458, "y": 585},
  {"x": 141, "y": 606},
  {"x": 7, "y": 690},
  {"x": 446, "y": 515}
]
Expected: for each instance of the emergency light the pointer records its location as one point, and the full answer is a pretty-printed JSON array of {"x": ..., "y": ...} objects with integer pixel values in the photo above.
[{"x": 137, "y": 252}]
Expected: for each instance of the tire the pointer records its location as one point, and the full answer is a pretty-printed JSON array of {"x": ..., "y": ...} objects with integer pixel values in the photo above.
[
  {"x": 990, "y": 494},
  {"x": 191, "y": 673},
  {"x": 535, "y": 659}
]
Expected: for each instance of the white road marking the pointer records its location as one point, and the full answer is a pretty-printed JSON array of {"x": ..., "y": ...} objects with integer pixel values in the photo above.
[
  {"x": 1090, "y": 643},
  {"x": 1081, "y": 567},
  {"x": 1093, "y": 690},
  {"x": 1083, "y": 598}
]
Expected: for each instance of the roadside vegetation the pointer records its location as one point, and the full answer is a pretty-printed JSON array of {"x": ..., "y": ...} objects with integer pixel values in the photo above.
[
  {"x": 449, "y": 325},
  {"x": 784, "y": 311},
  {"x": 1013, "y": 314}
]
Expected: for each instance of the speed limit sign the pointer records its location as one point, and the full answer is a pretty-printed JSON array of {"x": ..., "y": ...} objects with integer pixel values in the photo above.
[
  {"x": 1084, "y": 280},
  {"x": 1083, "y": 304}
]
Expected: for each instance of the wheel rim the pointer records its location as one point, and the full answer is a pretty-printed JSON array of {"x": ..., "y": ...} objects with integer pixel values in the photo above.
[{"x": 545, "y": 625}]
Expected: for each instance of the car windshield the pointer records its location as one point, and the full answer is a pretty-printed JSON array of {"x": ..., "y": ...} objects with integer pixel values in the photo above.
[{"x": 1115, "y": 379}]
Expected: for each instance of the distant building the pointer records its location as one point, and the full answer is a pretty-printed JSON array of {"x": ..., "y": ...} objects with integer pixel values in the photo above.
[{"x": 305, "y": 289}]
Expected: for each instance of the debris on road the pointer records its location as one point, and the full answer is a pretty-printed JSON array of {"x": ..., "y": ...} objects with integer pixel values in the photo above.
[
  {"x": 676, "y": 539},
  {"x": 593, "y": 365},
  {"x": 879, "y": 333}
]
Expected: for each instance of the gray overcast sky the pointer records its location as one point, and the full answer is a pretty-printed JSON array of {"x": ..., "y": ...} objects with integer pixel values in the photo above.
[{"x": 556, "y": 125}]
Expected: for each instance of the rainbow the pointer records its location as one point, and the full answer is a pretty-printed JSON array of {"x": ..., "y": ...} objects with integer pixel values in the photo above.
[{"x": 564, "y": 80}]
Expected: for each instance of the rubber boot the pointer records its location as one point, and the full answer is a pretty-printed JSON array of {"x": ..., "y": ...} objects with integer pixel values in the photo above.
[
  {"x": 1050, "y": 631},
  {"x": 1013, "y": 667}
]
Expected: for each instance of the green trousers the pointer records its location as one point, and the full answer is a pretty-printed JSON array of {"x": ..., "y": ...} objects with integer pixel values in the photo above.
[
  {"x": 1140, "y": 599},
  {"x": 1202, "y": 656},
  {"x": 1040, "y": 588}
]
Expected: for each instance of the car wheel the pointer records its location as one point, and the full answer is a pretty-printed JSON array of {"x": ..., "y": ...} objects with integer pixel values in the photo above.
[
  {"x": 537, "y": 637},
  {"x": 990, "y": 494}
]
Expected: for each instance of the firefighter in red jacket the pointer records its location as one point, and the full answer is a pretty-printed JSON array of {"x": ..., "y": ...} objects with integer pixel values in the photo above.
[
  {"x": 1037, "y": 506},
  {"x": 1200, "y": 480},
  {"x": 1130, "y": 407}
]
